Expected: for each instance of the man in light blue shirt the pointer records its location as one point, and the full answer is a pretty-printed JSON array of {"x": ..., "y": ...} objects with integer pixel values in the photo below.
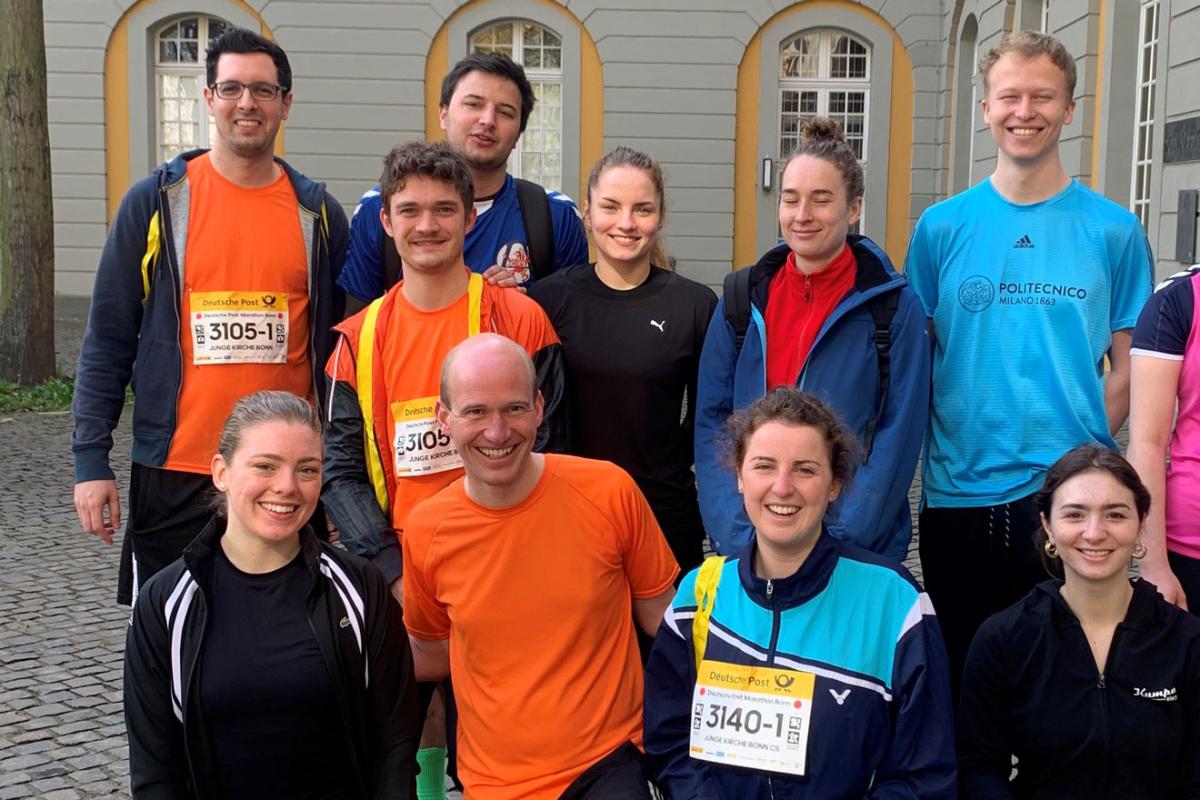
[{"x": 1029, "y": 279}]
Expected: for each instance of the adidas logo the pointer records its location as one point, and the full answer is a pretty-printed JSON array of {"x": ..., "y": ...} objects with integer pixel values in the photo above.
[{"x": 1024, "y": 241}]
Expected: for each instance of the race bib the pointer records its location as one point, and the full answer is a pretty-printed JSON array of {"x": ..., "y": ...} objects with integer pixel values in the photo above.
[
  {"x": 239, "y": 327},
  {"x": 753, "y": 717},
  {"x": 421, "y": 449}
]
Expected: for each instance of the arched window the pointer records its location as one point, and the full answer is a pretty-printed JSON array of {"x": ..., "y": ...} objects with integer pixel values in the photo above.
[
  {"x": 538, "y": 154},
  {"x": 181, "y": 123},
  {"x": 1143, "y": 137},
  {"x": 824, "y": 72}
]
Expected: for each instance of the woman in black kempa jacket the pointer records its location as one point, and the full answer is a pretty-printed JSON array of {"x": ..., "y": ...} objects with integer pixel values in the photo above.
[
  {"x": 265, "y": 663},
  {"x": 1091, "y": 682}
]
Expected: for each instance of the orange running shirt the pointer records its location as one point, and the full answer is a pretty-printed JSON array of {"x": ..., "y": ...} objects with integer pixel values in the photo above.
[
  {"x": 415, "y": 343},
  {"x": 245, "y": 272},
  {"x": 546, "y": 668}
]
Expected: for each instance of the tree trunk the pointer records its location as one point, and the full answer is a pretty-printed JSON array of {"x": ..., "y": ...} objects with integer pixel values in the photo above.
[{"x": 26, "y": 207}]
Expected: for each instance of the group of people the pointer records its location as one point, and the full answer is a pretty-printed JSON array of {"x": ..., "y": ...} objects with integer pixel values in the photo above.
[{"x": 380, "y": 493}]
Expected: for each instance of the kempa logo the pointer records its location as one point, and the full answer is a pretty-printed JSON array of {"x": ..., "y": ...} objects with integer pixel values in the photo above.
[
  {"x": 976, "y": 293},
  {"x": 1024, "y": 241},
  {"x": 1157, "y": 695}
]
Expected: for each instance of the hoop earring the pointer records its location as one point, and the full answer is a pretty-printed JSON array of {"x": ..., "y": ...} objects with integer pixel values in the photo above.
[
  {"x": 1050, "y": 548},
  {"x": 1139, "y": 551}
]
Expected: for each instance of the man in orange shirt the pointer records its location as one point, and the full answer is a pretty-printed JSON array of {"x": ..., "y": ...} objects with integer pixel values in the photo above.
[
  {"x": 383, "y": 450},
  {"x": 524, "y": 579},
  {"x": 218, "y": 279}
]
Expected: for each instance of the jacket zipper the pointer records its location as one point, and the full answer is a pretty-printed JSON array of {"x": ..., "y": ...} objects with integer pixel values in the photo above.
[
  {"x": 177, "y": 286},
  {"x": 314, "y": 316},
  {"x": 1102, "y": 686},
  {"x": 336, "y": 682}
]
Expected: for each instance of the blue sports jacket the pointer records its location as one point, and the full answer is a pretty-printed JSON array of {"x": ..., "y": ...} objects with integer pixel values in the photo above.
[
  {"x": 842, "y": 370},
  {"x": 881, "y": 724},
  {"x": 133, "y": 325}
]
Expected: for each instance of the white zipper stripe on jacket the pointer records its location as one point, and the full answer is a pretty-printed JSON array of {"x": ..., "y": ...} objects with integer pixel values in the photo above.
[
  {"x": 175, "y": 626},
  {"x": 353, "y": 604},
  {"x": 921, "y": 608},
  {"x": 824, "y": 672}
]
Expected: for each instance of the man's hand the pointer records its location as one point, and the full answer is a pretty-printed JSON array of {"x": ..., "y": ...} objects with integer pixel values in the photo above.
[
  {"x": 98, "y": 504},
  {"x": 499, "y": 276}
]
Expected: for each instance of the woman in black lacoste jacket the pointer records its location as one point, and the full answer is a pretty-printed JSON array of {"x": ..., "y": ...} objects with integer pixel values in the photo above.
[
  {"x": 1092, "y": 682},
  {"x": 265, "y": 663}
]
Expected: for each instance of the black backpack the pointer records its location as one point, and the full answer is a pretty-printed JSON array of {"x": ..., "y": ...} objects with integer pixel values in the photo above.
[
  {"x": 539, "y": 232},
  {"x": 883, "y": 311}
]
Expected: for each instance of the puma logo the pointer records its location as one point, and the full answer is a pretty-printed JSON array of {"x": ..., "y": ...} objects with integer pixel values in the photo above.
[
  {"x": 660, "y": 325},
  {"x": 840, "y": 696}
]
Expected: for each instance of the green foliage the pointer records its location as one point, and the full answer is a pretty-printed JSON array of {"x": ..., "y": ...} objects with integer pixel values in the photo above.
[{"x": 52, "y": 395}]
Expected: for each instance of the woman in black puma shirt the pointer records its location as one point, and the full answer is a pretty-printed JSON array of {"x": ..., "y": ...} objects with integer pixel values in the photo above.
[{"x": 632, "y": 331}]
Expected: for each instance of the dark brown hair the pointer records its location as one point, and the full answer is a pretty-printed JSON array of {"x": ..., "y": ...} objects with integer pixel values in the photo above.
[
  {"x": 1082, "y": 459},
  {"x": 793, "y": 407},
  {"x": 493, "y": 64},
  {"x": 821, "y": 137},
  {"x": 436, "y": 160}
]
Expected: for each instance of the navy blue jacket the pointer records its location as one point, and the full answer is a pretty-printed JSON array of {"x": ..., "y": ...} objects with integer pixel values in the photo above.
[
  {"x": 881, "y": 724},
  {"x": 1031, "y": 689},
  {"x": 842, "y": 370},
  {"x": 133, "y": 326}
]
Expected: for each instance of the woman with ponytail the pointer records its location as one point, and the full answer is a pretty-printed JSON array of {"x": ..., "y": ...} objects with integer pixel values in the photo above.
[
  {"x": 824, "y": 311},
  {"x": 632, "y": 330}
]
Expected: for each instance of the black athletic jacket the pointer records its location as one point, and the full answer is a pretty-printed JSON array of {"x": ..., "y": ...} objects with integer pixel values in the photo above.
[
  {"x": 1031, "y": 689},
  {"x": 363, "y": 642}
]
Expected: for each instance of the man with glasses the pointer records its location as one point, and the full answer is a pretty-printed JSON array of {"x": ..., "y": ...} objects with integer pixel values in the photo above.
[
  {"x": 218, "y": 279},
  {"x": 520, "y": 227}
]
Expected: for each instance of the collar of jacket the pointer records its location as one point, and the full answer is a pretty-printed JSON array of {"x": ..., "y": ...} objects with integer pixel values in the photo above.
[
  {"x": 875, "y": 271},
  {"x": 796, "y": 589},
  {"x": 309, "y": 193},
  {"x": 198, "y": 556},
  {"x": 1145, "y": 612}
]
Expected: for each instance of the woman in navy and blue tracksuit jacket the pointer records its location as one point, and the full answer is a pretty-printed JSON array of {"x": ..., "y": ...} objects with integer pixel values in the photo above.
[
  {"x": 881, "y": 724},
  {"x": 843, "y": 370}
]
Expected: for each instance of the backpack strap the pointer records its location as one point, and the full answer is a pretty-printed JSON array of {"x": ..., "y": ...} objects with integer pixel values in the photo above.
[
  {"x": 539, "y": 229},
  {"x": 737, "y": 304},
  {"x": 883, "y": 311},
  {"x": 706, "y": 596}
]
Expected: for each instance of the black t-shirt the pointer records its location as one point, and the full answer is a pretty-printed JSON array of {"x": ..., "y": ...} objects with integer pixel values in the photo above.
[
  {"x": 632, "y": 358},
  {"x": 267, "y": 698}
]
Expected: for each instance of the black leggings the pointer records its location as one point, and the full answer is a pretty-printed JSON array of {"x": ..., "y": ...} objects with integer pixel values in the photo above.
[{"x": 617, "y": 776}]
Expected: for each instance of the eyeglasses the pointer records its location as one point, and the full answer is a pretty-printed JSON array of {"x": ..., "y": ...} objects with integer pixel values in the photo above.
[{"x": 232, "y": 90}]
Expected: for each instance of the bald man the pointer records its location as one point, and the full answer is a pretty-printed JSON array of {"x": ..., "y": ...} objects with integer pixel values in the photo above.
[{"x": 524, "y": 578}]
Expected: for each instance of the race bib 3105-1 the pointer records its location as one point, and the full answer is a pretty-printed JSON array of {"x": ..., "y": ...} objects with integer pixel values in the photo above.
[{"x": 238, "y": 327}]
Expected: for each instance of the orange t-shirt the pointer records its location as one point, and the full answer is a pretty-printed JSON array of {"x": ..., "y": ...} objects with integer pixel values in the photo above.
[
  {"x": 414, "y": 345},
  {"x": 536, "y": 600},
  {"x": 244, "y": 305}
]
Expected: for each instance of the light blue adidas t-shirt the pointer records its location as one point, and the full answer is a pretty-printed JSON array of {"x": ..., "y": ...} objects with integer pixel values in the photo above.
[{"x": 1024, "y": 299}]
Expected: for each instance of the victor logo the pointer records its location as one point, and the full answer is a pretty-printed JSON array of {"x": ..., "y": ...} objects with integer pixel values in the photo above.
[
  {"x": 1157, "y": 695},
  {"x": 841, "y": 696}
]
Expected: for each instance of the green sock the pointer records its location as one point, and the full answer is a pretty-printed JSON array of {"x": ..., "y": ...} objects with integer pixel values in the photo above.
[{"x": 431, "y": 782}]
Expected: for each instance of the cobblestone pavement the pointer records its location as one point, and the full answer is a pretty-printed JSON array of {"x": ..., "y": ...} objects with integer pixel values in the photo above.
[{"x": 62, "y": 734}]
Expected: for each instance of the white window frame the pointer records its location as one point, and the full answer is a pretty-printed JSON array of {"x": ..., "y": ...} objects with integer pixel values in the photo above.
[
  {"x": 539, "y": 77},
  {"x": 1145, "y": 96},
  {"x": 823, "y": 84},
  {"x": 196, "y": 71}
]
